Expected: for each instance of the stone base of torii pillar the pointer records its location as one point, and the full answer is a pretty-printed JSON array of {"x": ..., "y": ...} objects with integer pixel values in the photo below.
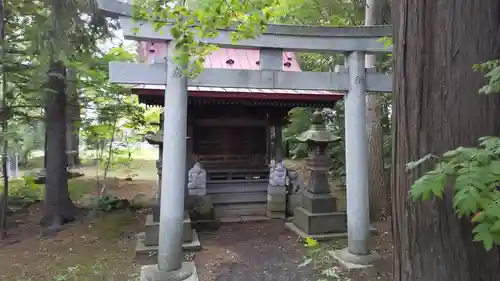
[{"x": 186, "y": 273}]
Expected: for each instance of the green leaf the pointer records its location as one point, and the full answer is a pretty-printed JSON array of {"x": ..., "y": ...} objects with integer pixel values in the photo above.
[
  {"x": 428, "y": 185},
  {"x": 495, "y": 227},
  {"x": 483, "y": 234}
]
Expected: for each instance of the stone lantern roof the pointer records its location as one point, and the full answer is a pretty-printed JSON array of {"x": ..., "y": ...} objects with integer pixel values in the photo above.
[{"x": 317, "y": 132}]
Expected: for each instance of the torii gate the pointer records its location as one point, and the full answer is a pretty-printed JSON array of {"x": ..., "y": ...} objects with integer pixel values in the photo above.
[{"x": 355, "y": 80}]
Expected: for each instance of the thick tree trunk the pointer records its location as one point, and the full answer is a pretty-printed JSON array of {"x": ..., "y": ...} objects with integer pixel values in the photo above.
[
  {"x": 437, "y": 108},
  {"x": 379, "y": 189},
  {"x": 58, "y": 206},
  {"x": 376, "y": 178}
]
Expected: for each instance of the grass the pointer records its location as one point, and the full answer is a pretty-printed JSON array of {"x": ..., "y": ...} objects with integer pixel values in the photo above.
[
  {"x": 142, "y": 166},
  {"x": 19, "y": 187}
]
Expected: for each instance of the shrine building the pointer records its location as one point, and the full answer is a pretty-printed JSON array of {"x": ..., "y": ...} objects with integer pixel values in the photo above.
[{"x": 235, "y": 133}]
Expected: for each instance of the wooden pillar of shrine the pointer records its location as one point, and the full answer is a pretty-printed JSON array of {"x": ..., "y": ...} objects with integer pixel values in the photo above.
[{"x": 276, "y": 124}]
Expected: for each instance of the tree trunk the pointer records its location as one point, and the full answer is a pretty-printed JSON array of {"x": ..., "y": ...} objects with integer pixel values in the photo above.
[
  {"x": 58, "y": 206},
  {"x": 4, "y": 196},
  {"x": 73, "y": 117},
  {"x": 376, "y": 179},
  {"x": 437, "y": 108}
]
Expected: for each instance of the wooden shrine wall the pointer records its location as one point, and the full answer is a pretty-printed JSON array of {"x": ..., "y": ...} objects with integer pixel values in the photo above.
[{"x": 230, "y": 136}]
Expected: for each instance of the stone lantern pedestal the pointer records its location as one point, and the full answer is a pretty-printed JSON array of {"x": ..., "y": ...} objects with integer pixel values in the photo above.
[{"x": 318, "y": 216}]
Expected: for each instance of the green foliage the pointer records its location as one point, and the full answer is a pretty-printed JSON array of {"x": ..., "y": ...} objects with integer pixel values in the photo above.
[
  {"x": 23, "y": 192},
  {"x": 475, "y": 176},
  {"x": 300, "y": 120},
  {"x": 203, "y": 19},
  {"x": 492, "y": 70},
  {"x": 108, "y": 203}
]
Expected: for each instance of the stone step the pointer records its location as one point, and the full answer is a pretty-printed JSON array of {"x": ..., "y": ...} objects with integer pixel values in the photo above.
[
  {"x": 243, "y": 219},
  {"x": 152, "y": 230},
  {"x": 240, "y": 210},
  {"x": 246, "y": 197},
  {"x": 236, "y": 187},
  {"x": 145, "y": 255},
  {"x": 240, "y": 181},
  {"x": 320, "y": 237}
]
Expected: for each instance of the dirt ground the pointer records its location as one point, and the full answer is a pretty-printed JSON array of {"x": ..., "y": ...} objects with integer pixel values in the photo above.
[
  {"x": 103, "y": 247},
  {"x": 253, "y": 251},
  {"x": 267, "y": 251},
  {"x": 95, "y": 249}
]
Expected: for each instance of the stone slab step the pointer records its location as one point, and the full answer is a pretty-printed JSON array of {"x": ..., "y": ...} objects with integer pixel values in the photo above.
[
  {"x": 236, "y": 188},
  {"x": 239, "y": 210},
  {"x": 145, "y": 255},
  {"x": 319, "y": 237},
  {"x": 244, "y": 181},
  {"x": 152, "y": 230},
  {"x": 247, "y": 197},
  {"x": 243, "y": 219}
]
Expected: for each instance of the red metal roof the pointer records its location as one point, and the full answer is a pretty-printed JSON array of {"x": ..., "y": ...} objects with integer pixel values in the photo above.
[{"x": 232, "y": 59}]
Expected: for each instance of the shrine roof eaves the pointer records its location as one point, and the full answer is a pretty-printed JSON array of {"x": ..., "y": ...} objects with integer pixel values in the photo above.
[{"x": 221, "y": 92}]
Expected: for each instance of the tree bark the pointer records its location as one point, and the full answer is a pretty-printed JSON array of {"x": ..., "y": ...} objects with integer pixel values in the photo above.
[
  {"x": 376, "y": 177},
  {"x": 437, "y": 108},
  {"x": 4, "y": 196},
  {"x": 58, "y": 207}
]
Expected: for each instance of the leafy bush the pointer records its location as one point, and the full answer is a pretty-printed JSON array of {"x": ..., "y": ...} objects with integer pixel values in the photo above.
[
  {"x": 23, "y": 192},
  {"x": 475, "y": 173},
  {"x": 109, "y": 203}
]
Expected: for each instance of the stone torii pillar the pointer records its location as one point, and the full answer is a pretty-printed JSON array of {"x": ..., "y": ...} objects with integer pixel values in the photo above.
[
  {"x": 357, "y": 253},
  {"x": 170, "y": 256}
]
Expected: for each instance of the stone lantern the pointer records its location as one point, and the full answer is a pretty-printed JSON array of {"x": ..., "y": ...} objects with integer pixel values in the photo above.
[
  {"x": 157, "y": 139},
  {"x": 318, "y": 216}
]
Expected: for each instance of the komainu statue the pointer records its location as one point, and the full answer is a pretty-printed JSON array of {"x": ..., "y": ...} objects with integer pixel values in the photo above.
[
  {"x": 277, "y": 174},
  {"x": 197, "y": 180}
]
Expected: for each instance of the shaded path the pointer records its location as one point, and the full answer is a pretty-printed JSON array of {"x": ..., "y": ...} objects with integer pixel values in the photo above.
[{"x": 253, "y": 251}]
